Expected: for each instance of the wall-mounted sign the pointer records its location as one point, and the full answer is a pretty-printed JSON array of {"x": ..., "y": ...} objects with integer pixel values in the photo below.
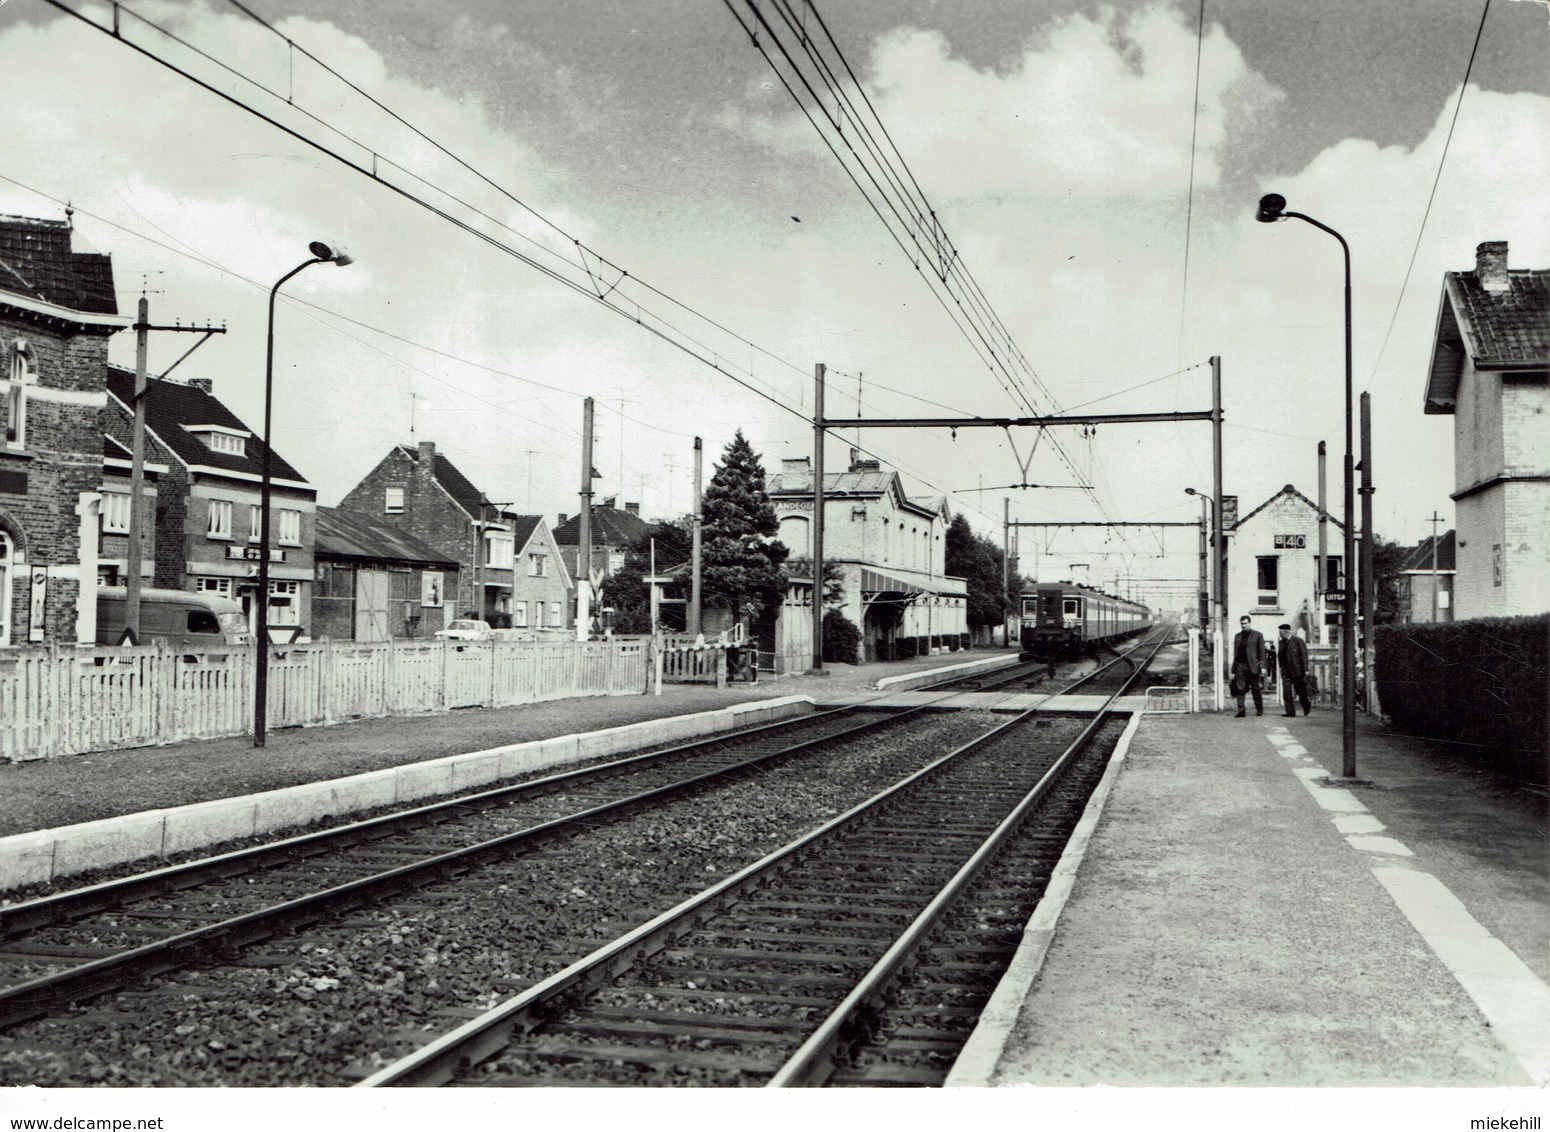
[
  {"x": 1291, "y": 542},
  {"x": 251, "y": 554},
  {"x": 39, "y": 604},
  {"x": 430, "y": 589},
  {"x": 1229, "y": 512}
]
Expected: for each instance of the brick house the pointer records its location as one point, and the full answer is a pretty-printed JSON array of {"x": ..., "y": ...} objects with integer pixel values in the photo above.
[
  {"x": 376, "y": 582},
  {"x": 613, "y": 532},
  {"x": 505, "y": 560},
  {"x": 113, "y": 518},
  {"x": 57, "y": 309},
  {"x": 891, "y": 550},
  {"x": 207, "y": 507},
  {"x": 1423, "y": 574},
  {"x": 1490, "y": 370}
]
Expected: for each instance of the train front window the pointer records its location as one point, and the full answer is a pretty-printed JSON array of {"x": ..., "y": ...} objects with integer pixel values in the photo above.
[{"x": 1073, "y": 607}]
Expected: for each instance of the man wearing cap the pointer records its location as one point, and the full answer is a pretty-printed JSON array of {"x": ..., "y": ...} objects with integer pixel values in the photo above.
[{"x": 1294, "y": 671}]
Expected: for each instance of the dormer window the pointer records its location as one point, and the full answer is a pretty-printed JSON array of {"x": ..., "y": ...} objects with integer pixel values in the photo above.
[{"x": 227, "y": 441}]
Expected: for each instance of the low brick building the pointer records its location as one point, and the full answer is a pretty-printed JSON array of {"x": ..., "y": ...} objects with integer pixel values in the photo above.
[
  {"x": 376, "y": 582},
  {"x": 1424, "y": 588},
  {"x": 1490, "y": 370},
  {"x": 57, "y": 309}
]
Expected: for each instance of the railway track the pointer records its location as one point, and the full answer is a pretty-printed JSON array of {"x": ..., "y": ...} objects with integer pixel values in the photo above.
[
  {"x": 857, "y": 954},
  {"x": 77, "y": 945}
]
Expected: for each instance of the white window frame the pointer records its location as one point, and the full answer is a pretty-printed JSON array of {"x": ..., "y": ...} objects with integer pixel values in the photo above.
[
  {"x": 393, "y": 500},
  {"x": 17, "y": 382},
  {"x": 538, "y": 615},
  {"x": 556, "y": 618},
  {"x": 255, "y": 522},
  {"x": 499, "y": 550},
  {"x": 225, "y": 442},
  {"x": 220, "y": 587},
  {"x": 287, "y": 609},
  {"x": 538, "y": 565},
  {"x": 519, "y": 615},
  {"x": 215, "y": 527},
  {"x": 288, "y": 527},
  {"x": 115, "y": 513}
]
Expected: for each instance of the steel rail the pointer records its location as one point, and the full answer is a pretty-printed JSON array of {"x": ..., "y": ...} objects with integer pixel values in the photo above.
[
  {"x": 813, "y": 1062},
  {"x": 62, "y": 907},
  {"x": 35, "y": 998},
  {"x": 458, "y": 1049}
]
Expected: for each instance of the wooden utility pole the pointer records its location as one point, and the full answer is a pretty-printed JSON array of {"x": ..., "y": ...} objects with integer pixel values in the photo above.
[
  {"x": 135, "y": 552},
  {"x": 1434, "y": 520},
  {"x": 692, "y": 622},
  {"x": 1368, "y": 580},
  {"x": 584, "y": 550},
  {"x": 1219, "y": 551}
]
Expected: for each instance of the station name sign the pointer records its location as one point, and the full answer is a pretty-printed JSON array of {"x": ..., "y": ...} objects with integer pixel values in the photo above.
[
  {"x": 1291, "y": 542},
  {"x": 251, "y": 554}
]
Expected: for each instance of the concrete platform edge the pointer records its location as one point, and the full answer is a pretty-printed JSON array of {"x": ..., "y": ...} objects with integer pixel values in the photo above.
[
  {"x": 981, "y": 1054},
  {"x": 932, "y": 675},
  {"x": 38, "y": 856}
]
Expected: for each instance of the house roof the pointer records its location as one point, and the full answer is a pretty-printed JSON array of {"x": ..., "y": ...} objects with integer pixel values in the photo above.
[
  {"x": 522, "y": 527},
  {"x": 864, "y": 484},
  {"x": 170, "y": 406},
  {"x": 454, "y": 482},
  {"x": 1509, "y": 330},
  {"x": 610, "y": 527},
  {"x": 357, "y": 536},
  {"x": 1419, "y": 557},
  {"x": 38, "y": 264},
  {"x": 1291, "y": 491}
]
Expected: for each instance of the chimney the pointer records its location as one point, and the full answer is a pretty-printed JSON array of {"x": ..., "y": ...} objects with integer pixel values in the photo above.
[
  {"x": 633, "y": 509},
  {"x": 855, "y": 454},
  {"x": 798, "y": 466},
  {"x": 203, "y": 384},
  {"x": 560, "y": 518},
  {"x": 859, "y": 465},
  {"x": 427, "y": 452},
  {"x": 1491, "y": 267}
]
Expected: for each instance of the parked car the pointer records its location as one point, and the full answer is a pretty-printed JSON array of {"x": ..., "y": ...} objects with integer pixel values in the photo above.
[
  {"x": 465, "y": 630},
  {"x": 178, "y": 618}
]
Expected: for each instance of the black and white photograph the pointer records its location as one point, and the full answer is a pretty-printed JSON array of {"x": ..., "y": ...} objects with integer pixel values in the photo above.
[{"x": 986, "y": 558}]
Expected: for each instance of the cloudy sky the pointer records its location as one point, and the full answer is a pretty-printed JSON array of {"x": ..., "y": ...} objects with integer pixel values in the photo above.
[{"x": 1103, "y": 208}]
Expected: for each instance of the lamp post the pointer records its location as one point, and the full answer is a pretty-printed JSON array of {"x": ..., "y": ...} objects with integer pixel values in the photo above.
[
  {"x": 321, "y": 253},
  {"x": 1207, "y": 594},
  {"x": 1272, "y": 207}
]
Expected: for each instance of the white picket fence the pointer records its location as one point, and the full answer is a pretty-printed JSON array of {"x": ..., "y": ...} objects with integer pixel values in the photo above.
[{"x": 60, "y": 701}]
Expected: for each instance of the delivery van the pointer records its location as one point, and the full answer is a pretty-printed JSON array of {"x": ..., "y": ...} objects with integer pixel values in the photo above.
[{"x": 178, "y": 618}]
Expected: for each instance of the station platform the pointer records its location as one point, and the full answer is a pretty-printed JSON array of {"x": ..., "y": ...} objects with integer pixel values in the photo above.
[{"x": 1229, "y": 914}]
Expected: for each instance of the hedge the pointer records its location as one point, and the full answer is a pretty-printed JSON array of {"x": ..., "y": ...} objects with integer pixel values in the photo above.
[
  {"x": 1481, "y": 683},
  {"x": 841, "y": 639}
]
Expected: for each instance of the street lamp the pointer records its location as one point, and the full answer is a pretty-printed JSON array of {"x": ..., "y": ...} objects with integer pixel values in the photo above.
[
  {"x": 321, "y": 253},
  {"x": 1208, "y": 593},
  {"x": 1272, "y": 207}
]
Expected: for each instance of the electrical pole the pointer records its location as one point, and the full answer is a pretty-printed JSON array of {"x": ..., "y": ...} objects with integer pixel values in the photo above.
[
  {"x": 692, "y": 623},
  {"x": 584, "y": 550},
  {"x": 1006, "y": 567},
  {"x": 1320, "y": 583},
  {"x": 818, "y": 507},
  {"x": 1369, "y": 581},
  {"x": 135, "y": 552},
  {"x": 1219, "y": 550},
  {"x": 1434, "y": 520}
]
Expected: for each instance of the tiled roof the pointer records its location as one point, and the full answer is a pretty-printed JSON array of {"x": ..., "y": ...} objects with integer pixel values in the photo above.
[
  {"x": 610, "y": 527},
  {"x": 170, "y": 405},
  {"x": 1420, "y": 556},
  {"x": 1507, "y": 330},
  {"x": 866, "y": 484},
  {"x": 468, "y": 497},
  {"x": 356, "y": 535},
  {"x": 36, "y": 263},
  {"x": 522, "y": 527}
]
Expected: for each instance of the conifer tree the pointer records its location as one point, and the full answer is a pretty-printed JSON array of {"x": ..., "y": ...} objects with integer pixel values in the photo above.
[{"x": 740, "y": 556}]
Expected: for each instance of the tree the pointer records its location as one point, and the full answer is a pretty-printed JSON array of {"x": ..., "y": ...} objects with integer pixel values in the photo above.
[
  {"x": 626, "y": 590},
  {"x": 740, "y": 557},
  {"x": 978, "y": 561},
  {"x": 833, "y": 578},
  {"x": 1388, "y": 560}
]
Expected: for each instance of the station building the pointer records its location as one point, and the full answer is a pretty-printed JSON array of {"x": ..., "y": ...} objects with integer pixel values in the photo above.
[
  {"x": 57, "y": 310},
  {"x": 1273, "y": 569},
  {"x": 891, "y": 551},
  {"x": 1490, "y": 370}
]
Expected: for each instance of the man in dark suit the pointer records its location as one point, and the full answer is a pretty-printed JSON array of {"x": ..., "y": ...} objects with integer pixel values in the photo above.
[
  {"x": 1294, "y": 671},
  {"x": 1248, "y": 661}
]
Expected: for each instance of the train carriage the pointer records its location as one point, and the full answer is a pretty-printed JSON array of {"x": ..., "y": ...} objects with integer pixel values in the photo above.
[{"x": 1061, "y": 619}]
